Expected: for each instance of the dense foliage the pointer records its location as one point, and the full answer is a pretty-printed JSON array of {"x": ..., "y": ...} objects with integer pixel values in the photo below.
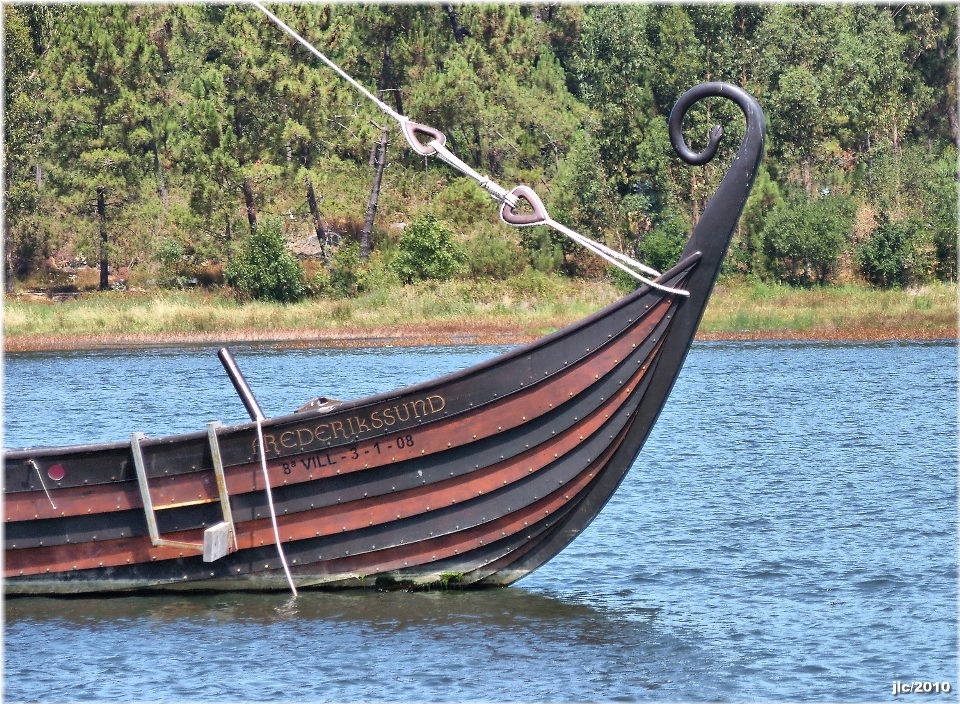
[
  {"x": 146, "y": 143},
  {"x": 263, "y": 268},
  {"x": 427, "y": 249},
  {"x": 803, "y": 242}
]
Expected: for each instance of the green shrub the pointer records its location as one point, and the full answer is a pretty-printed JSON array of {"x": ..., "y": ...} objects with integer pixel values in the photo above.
[
  {"x": 943, "y": 214},
  {"x": 622, "y": 281},
  {"x": 544, "y": 248},
  {"x": 427, "y": 250},
  {"x": 917, "y": 187},
  {"x": 319, "y": 284},
  {"x": 803, "y": 241},
  {"x": 347, "y": 273},
  {"x": 746, "y": 249},
  {"x": 30, "y": 246},
  {"x": 463, "y": 202},
  {"x": 662, "y": 246},
  {"x": 170, "y": 253},
  {"x": 174, "y": 271},
  {"x": 535, "y": 284},
  {"x": 493, "y": 256},
  {"x": 896, "y": 253},
  {"x": 264, "y": 269}
]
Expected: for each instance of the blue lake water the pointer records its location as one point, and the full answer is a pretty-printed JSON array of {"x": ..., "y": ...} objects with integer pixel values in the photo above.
[{"x": 788, "y": 533}]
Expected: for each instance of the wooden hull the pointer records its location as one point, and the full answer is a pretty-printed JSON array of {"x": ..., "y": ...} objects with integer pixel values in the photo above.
[{"x": 476, "y": 478}]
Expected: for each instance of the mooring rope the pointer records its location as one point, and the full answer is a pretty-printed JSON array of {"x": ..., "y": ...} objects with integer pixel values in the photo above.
[
  {"x": 273, "y": 511},
  {"x": 436, "y": 146}
]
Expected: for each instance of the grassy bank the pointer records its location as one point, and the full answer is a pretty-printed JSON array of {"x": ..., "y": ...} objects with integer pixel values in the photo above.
[
  {"x": 470, "y": 311},
  {"x": 765, "y": 311}
]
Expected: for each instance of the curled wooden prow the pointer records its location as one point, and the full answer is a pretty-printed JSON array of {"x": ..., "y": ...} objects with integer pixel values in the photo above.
[
  {"x": 753, "y": 139},
  {"x": 715, "y": 227}
]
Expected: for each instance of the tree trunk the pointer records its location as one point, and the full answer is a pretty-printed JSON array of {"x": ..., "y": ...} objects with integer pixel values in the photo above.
[
  {"x": 102, "y": 216},
  {"x": 379, "y": 148},
  {"x": 458, "y": 31},
  {"x": 374, "y": 197},
  {"x": 806, "y": 173},
  {"x": 315, "y": 212},
  {"x": 477, "y": 148},
  {"x": 157, "y": 169},
  {"x": 286, "y": 116},
  {"x": 245, "y": 186},
  {"x": 398, "y": 100},
  {"x": 161, "y": 187},
  {"x": 953, "y": 122},
  {"x": 248, "y": 202},
  {"x": 381, "y": 87},
  {"x": 8, "y": 258},
  {"x": 8, "y": 273},
  {"x": 229, "y": 237}
]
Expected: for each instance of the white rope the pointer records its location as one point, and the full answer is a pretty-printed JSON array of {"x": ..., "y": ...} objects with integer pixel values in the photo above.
[
  {"x": 273, "y": 511},
  {"x": 497, "y": 192},
  {"x": 40, "y": 474},
  {"x": 343, "y": 74},
  {"x": 612, "y": 255}
]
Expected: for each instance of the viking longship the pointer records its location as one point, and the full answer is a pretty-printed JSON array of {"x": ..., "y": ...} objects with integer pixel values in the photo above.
[{"x": 475, "y": 478}]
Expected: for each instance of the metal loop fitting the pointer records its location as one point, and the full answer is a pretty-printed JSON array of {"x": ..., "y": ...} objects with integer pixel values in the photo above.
[{"x": 411, "y": 129}]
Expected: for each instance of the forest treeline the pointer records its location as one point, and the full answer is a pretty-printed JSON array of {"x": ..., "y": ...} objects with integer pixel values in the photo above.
[{"x": 173, "y": 145}]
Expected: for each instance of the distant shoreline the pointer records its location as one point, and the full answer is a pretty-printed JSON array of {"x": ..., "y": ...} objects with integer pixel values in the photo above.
[
  {"x": 426, "y": 334},
  {"x": 459, "y": 312}
]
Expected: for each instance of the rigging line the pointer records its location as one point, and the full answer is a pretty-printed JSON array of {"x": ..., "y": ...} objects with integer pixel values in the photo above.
[
  {"x": 343, "y": 74},
  {"x": 589, "y": 243},
  {"x": 273, "y": 511},
  {"x": 595, "y": 246},
  {"x": 497, "y": 192}
]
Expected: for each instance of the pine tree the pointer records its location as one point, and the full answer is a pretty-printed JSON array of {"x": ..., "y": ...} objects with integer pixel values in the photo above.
[
  {"x": 100, "y": 71},
  {"x": 23, "y": 135}
]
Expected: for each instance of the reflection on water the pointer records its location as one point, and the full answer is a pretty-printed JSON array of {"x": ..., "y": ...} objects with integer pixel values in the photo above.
[
  {"x": 374, "y": 609},
  {"x": 320, "y": 646},
  {"x": 788, "y": 533}
]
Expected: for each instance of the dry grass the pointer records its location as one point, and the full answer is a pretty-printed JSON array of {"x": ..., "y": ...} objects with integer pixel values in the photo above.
[
  {"x": 765, "y": 311},
  {"x": 462, "y": 311},
  {"x": 517, "y": 309}
]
